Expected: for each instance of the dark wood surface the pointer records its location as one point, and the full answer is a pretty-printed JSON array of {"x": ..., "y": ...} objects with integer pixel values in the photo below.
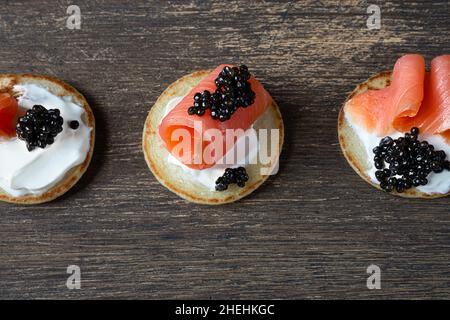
[{"x": 309, "y": 232}]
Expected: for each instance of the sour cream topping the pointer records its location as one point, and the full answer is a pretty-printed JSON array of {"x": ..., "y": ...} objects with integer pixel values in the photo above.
[
  {"x": 437, "y": 182},
  {"x": 33, "y": 173},
  {"x": 208, "y": 177}
]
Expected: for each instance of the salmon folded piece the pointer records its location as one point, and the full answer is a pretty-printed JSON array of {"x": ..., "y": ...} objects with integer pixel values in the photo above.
[
  {"x": 8, "y": 111},
  {"x": 434, "y": 114},
  {"x": 383, "y": 111},
  {"x": 178, "y": 118}
]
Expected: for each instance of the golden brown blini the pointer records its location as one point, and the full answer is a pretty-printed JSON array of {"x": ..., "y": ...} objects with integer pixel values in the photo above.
[
  {"x": 172, "y": 176},
  {"x": 353, "y": 148},
  {"x": 58, "y": 88}
]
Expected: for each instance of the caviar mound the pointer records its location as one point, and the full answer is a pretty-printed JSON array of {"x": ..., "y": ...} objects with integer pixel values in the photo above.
[
  {"x": 59, "y": 88},
  {"x": 39, "y": 127},
  {"x": 409, "y": 162},
  {"x": 233, "y": 91},
  {"x": 177, "y": 180},
  {"x": 236, "y": 176},
  {"x": 353, "y": 149}
]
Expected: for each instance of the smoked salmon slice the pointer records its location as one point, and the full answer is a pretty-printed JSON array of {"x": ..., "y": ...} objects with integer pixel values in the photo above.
[
  {"x": 382, "y": 111},
  {"x": 8, "y": 112},
  {"x": 178, "y": 118},
  {"x": 434, "y": 114}
]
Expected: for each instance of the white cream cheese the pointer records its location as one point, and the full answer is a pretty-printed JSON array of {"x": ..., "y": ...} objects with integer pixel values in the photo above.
[
  {"x": 208, "y": 177},
  {"x": 33, "y": 173},
  {"x": 437, "y": 183}
]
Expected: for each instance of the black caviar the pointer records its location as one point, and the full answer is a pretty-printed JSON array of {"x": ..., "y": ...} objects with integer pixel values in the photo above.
[
  {"x": 39, "y": 127},
  {"x": 233, "y": 91},
  {"x": 406, "y": 162},
  {"x": 74, "y": 125},
  {"x": 238, "y": 176}
]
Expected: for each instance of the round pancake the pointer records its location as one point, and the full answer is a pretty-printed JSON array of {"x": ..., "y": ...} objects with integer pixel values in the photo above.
[
  {"x": 59, "y": 88},
  {"x": 175, "y": 178},
  {"x": 353, "y": 148}
]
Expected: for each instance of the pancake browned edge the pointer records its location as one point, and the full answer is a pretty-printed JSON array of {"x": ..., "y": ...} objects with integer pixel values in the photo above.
[
  {"x": 59, "y": 88},
  {"x": 353, "y": 148},
  {"x": 172, "y": 176}
]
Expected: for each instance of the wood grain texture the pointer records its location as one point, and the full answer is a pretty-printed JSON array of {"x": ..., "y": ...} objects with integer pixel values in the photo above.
[{"x": 309, "y": 232}]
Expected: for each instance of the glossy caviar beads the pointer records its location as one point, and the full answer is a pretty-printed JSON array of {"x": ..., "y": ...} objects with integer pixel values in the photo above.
[
  {"x": 74, "y": 125},
  {"x": 233, "y": 92},
  {"x": 238, "y": 176},
  {"x": 406, "y": 162},
  {"x": 39, "y": 127}
]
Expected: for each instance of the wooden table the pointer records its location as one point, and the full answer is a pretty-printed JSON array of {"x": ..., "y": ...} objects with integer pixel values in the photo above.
[{"x": 309, "y": 232}]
